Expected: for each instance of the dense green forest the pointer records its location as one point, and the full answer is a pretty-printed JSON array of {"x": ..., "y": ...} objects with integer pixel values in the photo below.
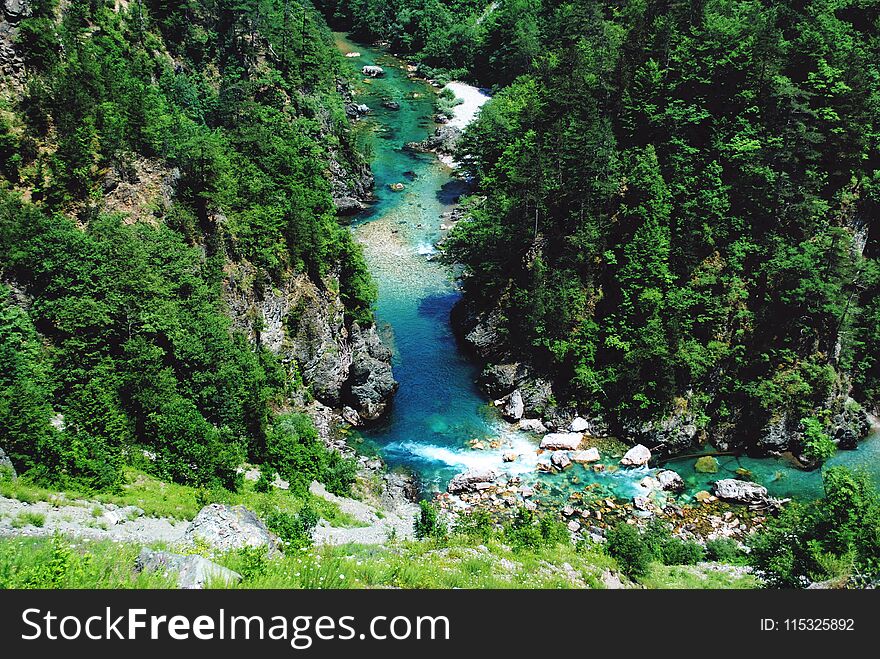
[
  {"x": 679, "y": 212},
  {"x": 112, "y": 325}
]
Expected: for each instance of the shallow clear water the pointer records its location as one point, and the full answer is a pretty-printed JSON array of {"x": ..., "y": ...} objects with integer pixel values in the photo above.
[{"x": 438, "y": 409}]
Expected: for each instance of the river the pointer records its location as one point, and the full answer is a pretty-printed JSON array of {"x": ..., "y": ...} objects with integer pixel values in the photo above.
[{"x": 438, "y": 410}]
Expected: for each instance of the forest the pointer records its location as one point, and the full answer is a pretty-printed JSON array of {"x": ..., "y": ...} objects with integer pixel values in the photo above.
[
  {"x": 678, "y": 207},
  {"x": 114, "y": 341}
]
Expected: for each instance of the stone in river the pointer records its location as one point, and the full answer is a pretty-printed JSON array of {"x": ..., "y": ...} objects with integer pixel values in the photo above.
[
  {"x": 706, "y": 465},
  {"x": 560, "y": 460},
  {"x": 584, "y": 457},
  {"x": 532, "y": 425},
  {"x": 637, "y": 456},
  {"x": 514, "y": 408},
  {"x": 737, "y": 491},
  {"x": 562, "y": 441},
  {"x": 670, "y": 481}
]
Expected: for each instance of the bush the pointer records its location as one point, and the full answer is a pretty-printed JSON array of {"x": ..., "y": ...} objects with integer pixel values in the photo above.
[
  {"x": 723, "y": 550},
  {"x": 427, "y": 524},
  {"x": 264, "y": 482},
  {"x": 528, "y": 531},
  {"x": 479, "y": 524},
  {"x": 29, "y": 519},
  {"x": 294, "y": 530},
  {"x": 627, "y": 546}
]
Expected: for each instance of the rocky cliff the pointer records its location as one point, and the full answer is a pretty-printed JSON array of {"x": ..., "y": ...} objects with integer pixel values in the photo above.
[{"x": 343, "y": 364}]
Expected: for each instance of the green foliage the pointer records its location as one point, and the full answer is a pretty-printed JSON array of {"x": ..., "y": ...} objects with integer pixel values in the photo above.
[
  {"x": 427, "y": 524},
  {"x": 834, "y": 538},
  {"x": 724, "y": 550},
  {"x": 626, "y": 545},
  {"x": 818, "y": 446},
  {"x": 126, "y": 335},
  {"x": 635, "y": 550},
  {"x": 28, "y": 519},
  {"x": 264, "y": 482},
  {"x": 529, "y": 531},
  {"x": 655, "y": 220},
  {"x": 295, "y": 530}
]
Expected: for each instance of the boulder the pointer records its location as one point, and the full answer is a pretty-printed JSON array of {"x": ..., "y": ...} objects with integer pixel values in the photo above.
[
  {"x": 226, "y": 528},
  {"x": 579, "y": 424},
  {"x": 371, "y": 383},
  {"x": 348, "y": 205},
  {"x": 7, "y": 469},
  {"x": 585, "y": 457},
  {"x": 562, "y": 441},
  {"x": 574, "y": 526},
  {"x": 391, "y": 105},
  {"x": 849, "y": 425},
  {"x": 15, "y": 10},
  {"x": 737, "y": 491},
  {"x": 513, "y": 408},
  {"x": 560, "y": 460},
  {"x": 532, "y": 425},
  {"x": 706, "y": 464},
  {"x": 642, "y": 503},
  {"x": 509, "y": 456},
  {"x": 192, "y": 572},
  {"x": 498, "y": 380},
  {"x": 670, "y": 481},
  {"x": 637, "y": 456},
  {"x": 702, "y": 496},
  {"x": 470, "y": 480},
  {"x": 373, "y": 71}
]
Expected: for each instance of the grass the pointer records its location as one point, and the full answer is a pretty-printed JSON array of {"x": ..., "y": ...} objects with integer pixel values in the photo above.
[
  {"x": 695, "y": 577},
  {"x": 458, "y": 562},
  {"x": 161, "y": 499},
  {"x": 28, "y": 519}
]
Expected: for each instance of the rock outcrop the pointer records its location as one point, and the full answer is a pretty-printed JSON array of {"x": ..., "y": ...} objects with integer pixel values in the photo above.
[
  {"x": 471, "y": 481},
  {"x": 443, "y": 141},
  {"x": 226, "y": 528},
  {"x": 343, "y": 363},
  {"x": 370, "y": 385},
  {"x": 191, "y": 572}
]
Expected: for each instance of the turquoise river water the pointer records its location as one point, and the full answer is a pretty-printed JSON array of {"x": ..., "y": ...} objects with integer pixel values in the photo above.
[{"x": 438, "y": 408}]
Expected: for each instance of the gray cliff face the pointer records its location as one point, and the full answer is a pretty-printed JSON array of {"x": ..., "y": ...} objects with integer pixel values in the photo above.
[
  {"x": 351, "y": 180},
  {"x": 343, "y": 364}
]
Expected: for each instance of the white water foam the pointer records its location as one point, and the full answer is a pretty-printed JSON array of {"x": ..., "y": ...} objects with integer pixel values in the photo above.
[
  {"x": 426, "y": 249},
  {"x": 466, "y": 459}
]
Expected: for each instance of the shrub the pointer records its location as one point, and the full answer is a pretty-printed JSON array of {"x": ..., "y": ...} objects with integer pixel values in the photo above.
[
  {"x": 478, "y": 524},
  {"x": 627, "y": 546},
  {"x": 427, "y": 524},
  {"x": 723, "y": 550},
  {"x": 264, "y": 482},
  {"x": 29, "y": 519},
  {"x": 294, "y": 530}
]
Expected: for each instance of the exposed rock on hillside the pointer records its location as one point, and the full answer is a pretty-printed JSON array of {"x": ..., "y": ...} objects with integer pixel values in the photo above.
[
  {"x": 226, "y": 528},
  {"x": 192, "y": 572},
  {"x": 343, "y": 363}
]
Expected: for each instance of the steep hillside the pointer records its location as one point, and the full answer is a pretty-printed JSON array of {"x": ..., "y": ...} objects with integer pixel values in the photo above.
[
  {"x": 176, "y": 285},
  {"x": 677, "y": 231}
]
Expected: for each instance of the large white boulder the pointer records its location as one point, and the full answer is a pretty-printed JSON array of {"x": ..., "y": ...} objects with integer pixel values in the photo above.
[
  {"x": 736, "y": 491},
  {"x": 637, "y": 456},
  {"x": 562, "y": 441},
  {"x": 585, "y": 457}
]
